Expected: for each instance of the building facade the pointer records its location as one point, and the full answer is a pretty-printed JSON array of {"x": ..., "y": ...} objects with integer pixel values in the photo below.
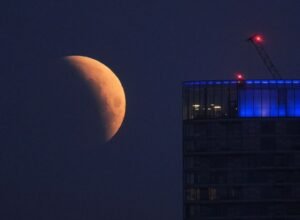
[{"x": 241, "y": 149}]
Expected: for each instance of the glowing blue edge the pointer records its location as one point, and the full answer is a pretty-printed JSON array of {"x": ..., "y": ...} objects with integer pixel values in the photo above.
[{"x": 249, "y": 82}]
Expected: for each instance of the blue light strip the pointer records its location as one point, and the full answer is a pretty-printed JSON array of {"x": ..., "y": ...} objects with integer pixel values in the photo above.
[
  {"x": 262, "y": 102},
  {"x": 226, "y": 82},
  {"x": 262, "y": 98}
]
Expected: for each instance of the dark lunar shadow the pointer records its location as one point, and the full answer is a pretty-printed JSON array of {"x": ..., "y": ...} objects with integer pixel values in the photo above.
[{"x": 49, "y": 127}]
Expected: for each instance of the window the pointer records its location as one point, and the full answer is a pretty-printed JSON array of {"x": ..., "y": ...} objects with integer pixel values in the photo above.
[
  {"x": 189, "y": 145},
  {"x": 212, "y": 194},
  {"x": 268, "y": 143},
  {"x": 192, "y": 194},
  {"x": 268, "y": 127},
  {"x": 293, "y": 127},
  {"x": 190, "y": 178}
]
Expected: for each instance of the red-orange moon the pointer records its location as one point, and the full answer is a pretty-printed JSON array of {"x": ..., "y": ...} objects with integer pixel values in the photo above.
[{"x": 107, "y": 89}]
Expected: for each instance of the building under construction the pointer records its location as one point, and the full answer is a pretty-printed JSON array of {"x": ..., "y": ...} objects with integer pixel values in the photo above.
[{"x": 241, "y": 146}]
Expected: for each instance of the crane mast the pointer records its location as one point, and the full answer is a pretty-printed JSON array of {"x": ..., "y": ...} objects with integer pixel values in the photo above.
[{"x": 257, "y": 41}]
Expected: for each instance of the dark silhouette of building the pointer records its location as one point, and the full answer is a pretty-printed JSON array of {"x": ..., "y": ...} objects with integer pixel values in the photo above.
[{"x": 241, "y": 149}]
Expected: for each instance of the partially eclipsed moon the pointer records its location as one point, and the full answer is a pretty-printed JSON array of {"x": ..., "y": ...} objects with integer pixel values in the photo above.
[{"x": 107, "y": 89}]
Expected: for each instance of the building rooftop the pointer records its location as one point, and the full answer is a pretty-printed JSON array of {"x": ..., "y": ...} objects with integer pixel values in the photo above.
[
  {"x": 241, "y": 98},
  {"x": 249, "y": 82}
]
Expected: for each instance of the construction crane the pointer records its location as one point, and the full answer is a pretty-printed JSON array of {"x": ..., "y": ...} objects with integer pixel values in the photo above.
[{"x": 257, "y": 41}]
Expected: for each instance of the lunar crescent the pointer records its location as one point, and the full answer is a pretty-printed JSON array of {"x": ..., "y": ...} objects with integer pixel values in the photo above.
[{"x": 107, "y": 89}]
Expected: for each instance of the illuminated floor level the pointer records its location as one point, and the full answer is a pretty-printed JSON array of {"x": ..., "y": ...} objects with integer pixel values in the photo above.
[{"x": 248, "y": 98}]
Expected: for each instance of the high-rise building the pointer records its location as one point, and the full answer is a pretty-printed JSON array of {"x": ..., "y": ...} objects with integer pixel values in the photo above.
[{"x": 241, "y": 149}]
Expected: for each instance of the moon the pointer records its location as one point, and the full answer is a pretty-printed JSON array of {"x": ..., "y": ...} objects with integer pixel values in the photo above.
[{"x": 107, "y": 91}]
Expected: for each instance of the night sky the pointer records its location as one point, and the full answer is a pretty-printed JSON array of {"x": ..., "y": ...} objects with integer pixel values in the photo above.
[{"x": 48, "y": 170}]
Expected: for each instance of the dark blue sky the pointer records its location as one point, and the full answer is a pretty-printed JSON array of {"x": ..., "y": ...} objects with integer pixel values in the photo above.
[{"x": 152, "y": 46}]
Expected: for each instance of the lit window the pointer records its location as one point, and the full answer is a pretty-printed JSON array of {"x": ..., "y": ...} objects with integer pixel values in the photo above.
[
  {"x": 212, "y": 193},
  {"x": 196, "y": 107}
]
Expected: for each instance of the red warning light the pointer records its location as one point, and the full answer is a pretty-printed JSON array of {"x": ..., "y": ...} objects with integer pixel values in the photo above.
[
  {"x": 258, "y": 38},
  {"x": 239, "y": 76}
]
